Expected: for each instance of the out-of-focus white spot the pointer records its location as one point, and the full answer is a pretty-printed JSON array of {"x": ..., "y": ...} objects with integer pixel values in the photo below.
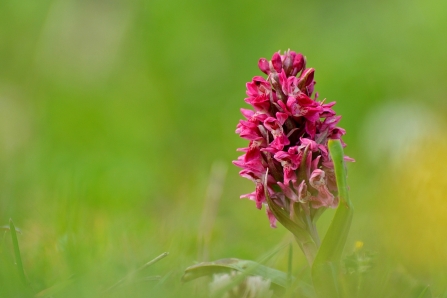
[
  {"x": 252, "y": 286},
  {"x": 15, "y": 124},
  {"x": 80, "y": 40},
  {"x": 393, "y": 130}
]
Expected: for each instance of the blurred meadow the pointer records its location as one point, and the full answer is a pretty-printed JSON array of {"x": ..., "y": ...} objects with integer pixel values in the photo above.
[{"x": 117, "y": 123}]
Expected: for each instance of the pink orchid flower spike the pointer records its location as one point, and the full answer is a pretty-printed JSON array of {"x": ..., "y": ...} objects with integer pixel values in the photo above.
[{"x": 288, "y": 130}]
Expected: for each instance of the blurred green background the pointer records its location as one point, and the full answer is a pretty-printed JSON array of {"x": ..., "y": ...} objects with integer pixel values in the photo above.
[{"x": 117, "y": 123}]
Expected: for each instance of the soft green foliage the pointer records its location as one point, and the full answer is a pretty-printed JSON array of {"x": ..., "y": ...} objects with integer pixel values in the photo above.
[{"x": 112, "y": 113}]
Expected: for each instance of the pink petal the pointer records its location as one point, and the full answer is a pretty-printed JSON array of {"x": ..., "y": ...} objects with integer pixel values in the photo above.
[
  {"x": 247, "y": 113},
  {"x": 263, "y": 65},
  {"x": 282, "y": 117},
  {"x": 276, "y": 62},
  {"x": 260, "y": 195},
  {"x": 271, "y": 217}
]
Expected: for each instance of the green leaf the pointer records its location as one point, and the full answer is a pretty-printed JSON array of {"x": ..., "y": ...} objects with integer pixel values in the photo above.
[{"x": 326, "y": 265}]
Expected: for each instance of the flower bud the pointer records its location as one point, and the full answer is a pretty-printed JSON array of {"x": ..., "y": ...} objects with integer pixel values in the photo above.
[
  {"x": 276, "y": 62},
  {"x": 298, "y": 64},
  {"x": 289, "y": 58},
  {"x": 263, "y": 65}
]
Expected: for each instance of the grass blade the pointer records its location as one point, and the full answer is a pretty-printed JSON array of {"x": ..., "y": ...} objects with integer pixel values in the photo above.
[
  {"x": 53, "y": 290},
  {"x": 289, "y": 265},
  {"x": 423, "y": 292},
  {"x": 15, "y": 244},
  {"x": 131, "y": 275}
]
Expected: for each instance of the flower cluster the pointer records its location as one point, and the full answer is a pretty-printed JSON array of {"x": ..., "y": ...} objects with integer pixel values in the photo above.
[{"x": 288, "y": 132}]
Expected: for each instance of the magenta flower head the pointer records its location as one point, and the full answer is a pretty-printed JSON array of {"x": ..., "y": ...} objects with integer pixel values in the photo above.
[{"x": 288, "y": 130}]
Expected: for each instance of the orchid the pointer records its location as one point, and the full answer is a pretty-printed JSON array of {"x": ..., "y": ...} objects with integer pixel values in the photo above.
[
  {"x": 295, "y": 159},
  {"x": 288, "y": 129}
]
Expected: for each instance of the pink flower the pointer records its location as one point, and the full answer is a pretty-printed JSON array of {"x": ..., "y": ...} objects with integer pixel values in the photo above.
[
  {"x": 290, "y": 161},
  {"x": 258, "y": 195},
  {"x": 323, "y": 197},
  {"x": 259, "y": 91},
  {"x": 275, "y": 127},
  {"x": 288, "y": 131}
]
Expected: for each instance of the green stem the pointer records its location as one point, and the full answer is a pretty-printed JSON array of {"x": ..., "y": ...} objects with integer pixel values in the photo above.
[
  {"x": 309, "y": 249},
  {"x": 311, "y": 226},
  {"x": 301, "y": 233},
  {"x": 359, "y": 283}
]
